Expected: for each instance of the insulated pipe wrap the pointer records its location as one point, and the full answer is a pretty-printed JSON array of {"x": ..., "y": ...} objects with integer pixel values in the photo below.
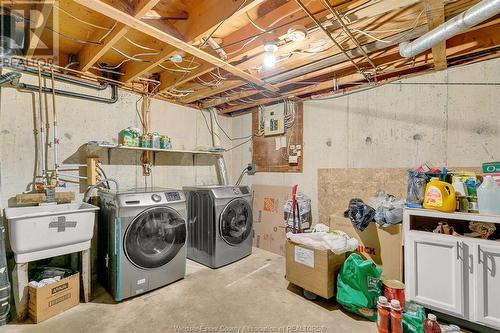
[{"x": 473, "y": 16}]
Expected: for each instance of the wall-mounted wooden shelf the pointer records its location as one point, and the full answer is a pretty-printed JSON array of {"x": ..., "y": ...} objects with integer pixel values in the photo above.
[{"x": 96, "y": 148}]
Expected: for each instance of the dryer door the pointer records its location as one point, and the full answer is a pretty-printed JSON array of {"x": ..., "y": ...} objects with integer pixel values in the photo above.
[
  {"x": 155, "y": 237},
  {"x": 236, "y": 221}
]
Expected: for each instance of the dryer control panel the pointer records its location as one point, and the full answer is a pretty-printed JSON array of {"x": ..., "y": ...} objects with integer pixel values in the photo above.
[{"x": 231, "y": 191}]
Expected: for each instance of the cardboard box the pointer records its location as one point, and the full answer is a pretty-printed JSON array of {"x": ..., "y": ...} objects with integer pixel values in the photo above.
[
  {"x": 48, "y": 301},
  {"x": 268, "y": 217},
  {"x": 382, "y": 245},
  {"x": 314, "y": 270}
]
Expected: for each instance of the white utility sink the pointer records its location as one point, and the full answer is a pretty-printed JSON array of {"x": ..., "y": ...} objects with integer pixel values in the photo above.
[{"x": 50, "y": 230}]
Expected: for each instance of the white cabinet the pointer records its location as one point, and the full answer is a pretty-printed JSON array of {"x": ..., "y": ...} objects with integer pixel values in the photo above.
[
  {"x": 455, "y": 275},
  {"x": 488, "y": 285},
  {"x": 437, "y": 273}
]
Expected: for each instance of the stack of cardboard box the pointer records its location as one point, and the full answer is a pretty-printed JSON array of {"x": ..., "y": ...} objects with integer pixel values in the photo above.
[{"x": 268, "y": 217}]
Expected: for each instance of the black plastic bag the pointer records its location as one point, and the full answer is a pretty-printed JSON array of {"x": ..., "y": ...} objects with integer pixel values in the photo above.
[{"x": 360, "y": 213}]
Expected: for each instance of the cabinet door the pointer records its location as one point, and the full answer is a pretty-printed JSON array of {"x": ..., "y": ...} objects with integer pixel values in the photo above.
[
  {"x": 488, "y": 285},
  {"x": 435, "y": 272}
]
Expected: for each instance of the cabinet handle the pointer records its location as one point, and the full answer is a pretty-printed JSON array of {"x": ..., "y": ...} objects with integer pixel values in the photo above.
[
  {"x": 479, "y": 254},
  {"x": 459, "y": 247}
]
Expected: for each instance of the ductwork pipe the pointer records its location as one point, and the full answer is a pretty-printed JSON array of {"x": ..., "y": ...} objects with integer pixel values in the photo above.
[{"x": 464, "y": 21}]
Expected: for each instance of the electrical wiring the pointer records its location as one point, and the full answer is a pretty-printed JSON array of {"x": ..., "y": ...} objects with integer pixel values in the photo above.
[
  {"x": 140, "y": 78},
  {"x": 227, "y": 135},
  {"x": 182, "y": 91},
  {"x": 80, "y": 20},
  {"x": 107, "y": 33},
  {"x": 173, "y": 69},
  {"x": 367, "y": 32},
  {"x": 138, "y": 112},
  {"x": 243, "y": 46},
  {"x": 174, "y": 94},
  {"x": 217, "y": 77},
  {"x": 187, "y": 68},
  {"x": 239, "y": 145},
  {"x": 209, "y": 84},
  {"x": 74, "y": 39},
  {"x": 287, "y": 15},
  {"x": 127, "y": 56},
  {"x": 213, "y": 32},
  {"x": 208, "y": 127},
  {"x": 104, "y": 69},
  {"x": 253, "y": 23},
  {"x": 139, "y": 45}
]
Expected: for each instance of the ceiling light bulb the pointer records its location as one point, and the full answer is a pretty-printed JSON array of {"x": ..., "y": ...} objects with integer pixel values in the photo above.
[
  {"x": 269, "y": 60},
  {"x": 176, "y": 59},
  {"x": 297, "y": 33},
  {"x": 270, "y": 47}
]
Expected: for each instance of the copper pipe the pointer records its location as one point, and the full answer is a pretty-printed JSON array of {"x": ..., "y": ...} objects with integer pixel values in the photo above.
[
  {"x": 318, "y": 23},
  {"x": 334, "y": 12}
]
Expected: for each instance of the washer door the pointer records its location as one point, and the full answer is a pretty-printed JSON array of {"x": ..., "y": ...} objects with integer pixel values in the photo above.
[
  {"x": 155, "y": 237},
  {"x": 236, "y": 221}
]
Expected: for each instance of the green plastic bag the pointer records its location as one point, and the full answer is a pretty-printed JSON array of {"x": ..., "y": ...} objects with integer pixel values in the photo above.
[
  {"x": 359, "y": 286},
  {"x": 413, "y": 318}
]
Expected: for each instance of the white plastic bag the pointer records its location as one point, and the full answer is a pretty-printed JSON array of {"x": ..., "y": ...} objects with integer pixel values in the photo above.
[{"x": 336, "y": 241}]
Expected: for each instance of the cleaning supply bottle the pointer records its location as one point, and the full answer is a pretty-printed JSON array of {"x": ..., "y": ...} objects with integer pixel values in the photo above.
[
  {"x": 383, "y": 315},
  {"x": 488, "y": 196},
  {"x": 396, "y": 317},
  {"x": 431, "y": 325},
  {"x": 440, "y": 196}
]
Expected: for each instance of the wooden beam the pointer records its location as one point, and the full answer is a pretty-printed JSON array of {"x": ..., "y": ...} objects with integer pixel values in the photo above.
[
  {"x": 210, "y": 91},
  {"x": 40, "y": 22},
  {"x": 91, "y": 53},
  {"x": 254, "y": 47},
  {"x": 168, "y": 80},
  {"x": 132, "y": 22},
  {"x": 434, "y": 10},
  {"x": 478, "y": 39},
  {"x": 296, "y": 92},
  {"x": 204, "y": 17}
]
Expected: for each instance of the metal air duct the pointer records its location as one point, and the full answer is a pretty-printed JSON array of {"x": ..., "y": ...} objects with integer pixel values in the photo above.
[{"x": 463, "y": 21}]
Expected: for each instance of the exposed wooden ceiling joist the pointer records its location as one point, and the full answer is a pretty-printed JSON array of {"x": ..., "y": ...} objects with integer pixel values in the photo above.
[
  {"x": 479, "y": 39},
  {"x": 203, "y": 19},
  {"x": 43, "y": 11},
  {"x": 132, "y": 22},
  {"x": 91, "y": 53},
  {"x": 434, "y": 10}
]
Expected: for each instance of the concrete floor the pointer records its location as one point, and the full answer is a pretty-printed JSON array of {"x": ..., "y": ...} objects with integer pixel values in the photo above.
[{"x": 251, "y": 294}]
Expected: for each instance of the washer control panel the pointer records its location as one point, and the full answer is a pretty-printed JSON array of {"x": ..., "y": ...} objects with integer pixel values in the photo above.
[
  {"x": 173, "y": 196},
  {"x": 156, "y": 197}
]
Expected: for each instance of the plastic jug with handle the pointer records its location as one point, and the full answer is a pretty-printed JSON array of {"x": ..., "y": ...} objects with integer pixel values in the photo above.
[
  {"x": 488, "y": 196},
  {"x": 440, "y": 196}
]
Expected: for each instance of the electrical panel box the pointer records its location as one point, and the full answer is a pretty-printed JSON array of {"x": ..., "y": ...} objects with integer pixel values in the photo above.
[{"x": 274, "y": 121}]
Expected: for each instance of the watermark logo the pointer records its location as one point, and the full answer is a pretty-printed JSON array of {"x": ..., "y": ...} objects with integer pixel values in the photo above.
[{"x": 30, "y": 28}]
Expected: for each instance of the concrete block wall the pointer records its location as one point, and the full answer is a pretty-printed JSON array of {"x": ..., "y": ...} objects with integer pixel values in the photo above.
[{"x": 394, "y": 126}]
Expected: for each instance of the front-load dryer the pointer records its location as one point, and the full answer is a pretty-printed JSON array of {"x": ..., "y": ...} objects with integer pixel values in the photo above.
[
  {"x": 219, "y": 224},
  {"x": 143, "y": 240}
]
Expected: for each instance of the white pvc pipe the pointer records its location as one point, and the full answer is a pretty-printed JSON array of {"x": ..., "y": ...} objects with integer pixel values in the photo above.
[{"x": 473, "y": 16}]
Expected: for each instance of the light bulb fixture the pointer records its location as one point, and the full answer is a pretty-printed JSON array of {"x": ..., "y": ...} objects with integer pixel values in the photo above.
[
  {"x": 270, "y": 46},
  {"x": 176, "y": 58},
  {"x": 297, "y": 33},
  {"x": 269, "y": 60}
]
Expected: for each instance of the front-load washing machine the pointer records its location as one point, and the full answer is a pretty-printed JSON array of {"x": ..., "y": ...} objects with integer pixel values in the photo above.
[
  {"x": 143, "y": 240},
  {"x": 219, "y": 224}
]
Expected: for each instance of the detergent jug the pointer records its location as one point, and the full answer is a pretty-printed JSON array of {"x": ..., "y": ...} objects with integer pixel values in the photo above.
[
  {"x": 440, "y": 195},
  {"x": 488, "y": 196}
]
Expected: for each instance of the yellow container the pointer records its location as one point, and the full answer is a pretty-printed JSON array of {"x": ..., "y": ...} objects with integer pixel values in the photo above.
[{"x": 440, "y": 196}]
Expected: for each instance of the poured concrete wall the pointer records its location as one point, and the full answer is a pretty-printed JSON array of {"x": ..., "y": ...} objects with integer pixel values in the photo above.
[
  {"x": 81, "y": 121},
  {"x": 394, "y": 126}
]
